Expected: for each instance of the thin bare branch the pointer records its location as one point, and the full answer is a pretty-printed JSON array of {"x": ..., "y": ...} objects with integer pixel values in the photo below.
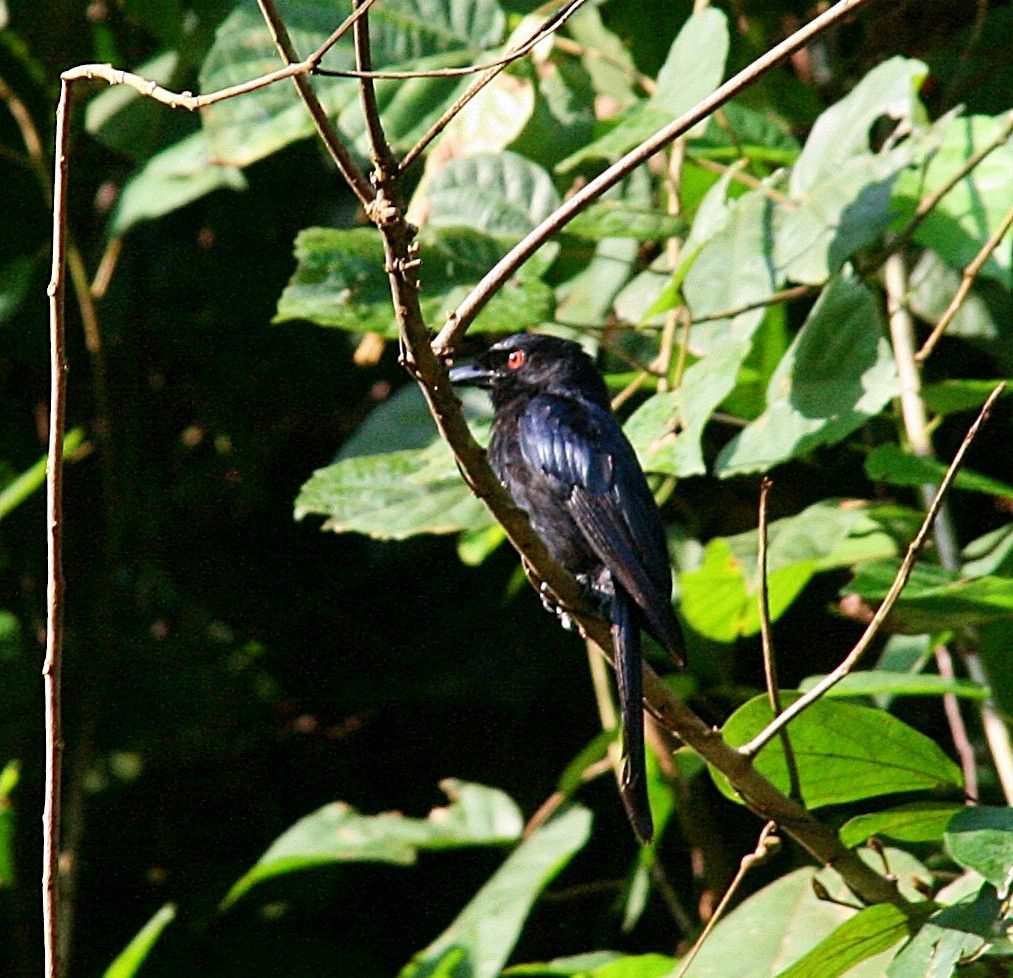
[
  {"x": 459, "y": 320},
  {"x": 767, "y": 642},
  {"x": 767, "y": 843},
  {"x": 966, "y": 281},
  {"x": 52, "y": 666},
  {"x": 882, "y": 612}
]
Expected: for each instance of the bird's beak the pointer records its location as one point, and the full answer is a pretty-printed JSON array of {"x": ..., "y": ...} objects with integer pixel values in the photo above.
[{"x": 471, "y": 375}]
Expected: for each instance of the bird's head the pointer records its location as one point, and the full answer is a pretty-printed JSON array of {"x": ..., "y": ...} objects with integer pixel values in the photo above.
[{"x": 529, "y": 364}]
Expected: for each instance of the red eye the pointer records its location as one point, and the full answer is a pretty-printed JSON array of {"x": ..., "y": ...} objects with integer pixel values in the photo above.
[{"x": 515, "y": 359}]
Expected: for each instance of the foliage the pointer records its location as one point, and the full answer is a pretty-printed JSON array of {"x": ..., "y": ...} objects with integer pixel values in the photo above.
[{"x": 286, "y": 684}]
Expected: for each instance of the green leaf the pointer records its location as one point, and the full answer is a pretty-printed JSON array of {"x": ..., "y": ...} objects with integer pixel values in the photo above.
[
  {"x": 482, "y": 937},
  {"x": 955, "y": 396},
  {"x": 9, "y": 777},
  {"x": 843, "y": 752},
  {"x": 958, "y": 226},
  {"x": 989, "y": 554},
  {"x": 393, "y": 496},
  {"x": 337, "y": 833},
  {"x": 837, "y": 373},
  {"x": 171, "y": 179},
  {"x": 615, "y": 219},
  {"x": 890, "y": 463},
  {"x": 501, "y": 194},
  {"x": 876, "y": 682},
  {"x": 600, "y": 964},
  {"x": 404, "y": 34},
  {"x": 15, "y": 279},
  {"x": 21, "y": 488},
  {"x": 843, "y": 130},
  {"x": 770, "y": 930},
  {"x": 919, "y": 821},
  {"x": 693, "y": 69},
  {"x": 869, "y": 932},
  {"x": 947, "y": 937},
  {"x": 130, "y": 959},
  {"x": 934, "y": 599},
  {"x": 340, "y": 281},
  {"x": 981, "y": 838}
]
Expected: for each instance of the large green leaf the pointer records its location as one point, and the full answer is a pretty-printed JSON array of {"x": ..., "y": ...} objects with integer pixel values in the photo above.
[
  {"x": 837, "y": 373},
  {"x": 935, "y": 599},
  {"x": 880, "y": 682},
  {"x": 958, "y": 226},
  {"x": 480, "y": 940},
  {"x": 337, "y": 833},
  {"x": 693, "y": 69},
  {"x": 843, "y": 752},
  {"x": 393, "y": 496},
  {"x": 404, "y": 34},
  {"x": 981, "y": 839},
  {"x": 340, "y": 281}
]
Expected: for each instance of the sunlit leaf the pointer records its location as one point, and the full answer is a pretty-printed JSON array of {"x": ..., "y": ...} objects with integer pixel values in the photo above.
[
  {"x": 890, "y": 463},
  {"x": 129, "y": 961},
  {"x": 920, "y": 821},
  {"x": 843, "y": 752},
  {"x": 337, "y": 833},
  {"x": 877, "y": 682}
]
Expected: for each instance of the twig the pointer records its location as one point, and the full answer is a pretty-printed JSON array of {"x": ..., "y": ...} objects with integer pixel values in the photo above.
[
  {"x": 785, "y": 295},
  {"x": 967, "y": 280},
  {"x": 767, "y": 643},
  {"x": 958, "y": 730},
  {"x": 552, "y": 24},
  {"x": 996, "y": 729},
  {"x": 459, "y": 320},
  {"x": 767, "y": 843},
  {"x": 900, "y": 580},
  {"x": 748, "y": 180},
  {"x": 52, "y": 666}
]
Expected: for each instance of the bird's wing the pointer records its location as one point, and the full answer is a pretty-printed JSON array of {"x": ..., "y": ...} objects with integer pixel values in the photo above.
[{"x": 580, "y": 445}]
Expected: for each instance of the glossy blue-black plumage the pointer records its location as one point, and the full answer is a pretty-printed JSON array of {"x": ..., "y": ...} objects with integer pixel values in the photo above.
[{"x": 560, "y": 453}]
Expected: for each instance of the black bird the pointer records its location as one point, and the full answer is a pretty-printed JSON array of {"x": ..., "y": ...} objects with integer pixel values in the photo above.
[{"x": 559, "y": 451}]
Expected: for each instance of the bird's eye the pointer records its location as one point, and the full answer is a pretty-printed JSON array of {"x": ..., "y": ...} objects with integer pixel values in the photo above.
[{"x": 515, "y": 359}]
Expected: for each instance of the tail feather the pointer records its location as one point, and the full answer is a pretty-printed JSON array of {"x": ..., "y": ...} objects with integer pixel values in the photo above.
[{"x": 633, "y": 781}]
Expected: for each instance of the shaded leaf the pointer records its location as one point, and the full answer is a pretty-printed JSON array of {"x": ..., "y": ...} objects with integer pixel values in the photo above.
[
  {"x": 15, "y": 279},
  {"x": 482, "y": 937},
  {"x": 953, "y": 396},
  {"x": 615, "y": 219},
  {"x": 837, "y": 373},
  {"x": 876, "y": 682},
  {"x": 981, "y": 838},
  {"x": 890, "y": 463},
  {"x": 336, "y": 833},
  {"x": 843, "y": 752}
]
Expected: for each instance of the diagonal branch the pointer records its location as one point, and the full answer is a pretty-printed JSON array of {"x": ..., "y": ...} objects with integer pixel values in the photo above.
[{"x": 459, "y": 320}]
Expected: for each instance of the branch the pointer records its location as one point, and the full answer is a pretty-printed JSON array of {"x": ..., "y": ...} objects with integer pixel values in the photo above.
[
  {"x": 900, "y": 580},
  {"x": 459, "y": 320}
]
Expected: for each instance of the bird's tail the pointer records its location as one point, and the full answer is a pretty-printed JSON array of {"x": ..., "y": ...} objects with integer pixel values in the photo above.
[{"x": 633, "y": 780}]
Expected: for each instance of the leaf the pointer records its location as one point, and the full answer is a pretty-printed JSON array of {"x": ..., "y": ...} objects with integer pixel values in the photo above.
[
  {"x": 693, "y": 69},
  {"x": 337, "y": 833},
  {"x": 340, "y": 281},
  {"x": 393, "y": 496},
  {"x": 10, "y": 774},
  {"x": 843, "y": 752},
  {"x": 501, "y": 194},
  {"x": 843, "y": 130},
  {"x": 877, "y": 682},
  {"x": 890, "y": 463},
  {"x": 171, "y": 179},
  {"x": 600, "y": 964},
  {"x": 15, "y": 492},
  {"x": 15, "y": 279},
  {"x": 934, "y": 599},
  {"x": 482, "y": 937},
  {"x": 981, "y": 838},
  {"x": 954, "y": 396},
  {"x": 837, "y": 373},
  {"x": 615, "y": 219},
  {"x": 919, "y": 821},
  {"x": 778, "y": 925},
  {"x": 869, "y": 932},
  {"x": 947, "y": 937},
  {"x": 128, "y": 962},
  {"x": 958, "y": 226},
  {"x": 404, "y": 34}
]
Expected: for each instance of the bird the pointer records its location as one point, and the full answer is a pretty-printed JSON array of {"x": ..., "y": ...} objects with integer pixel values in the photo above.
[{"x": 562, "y": 456}]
